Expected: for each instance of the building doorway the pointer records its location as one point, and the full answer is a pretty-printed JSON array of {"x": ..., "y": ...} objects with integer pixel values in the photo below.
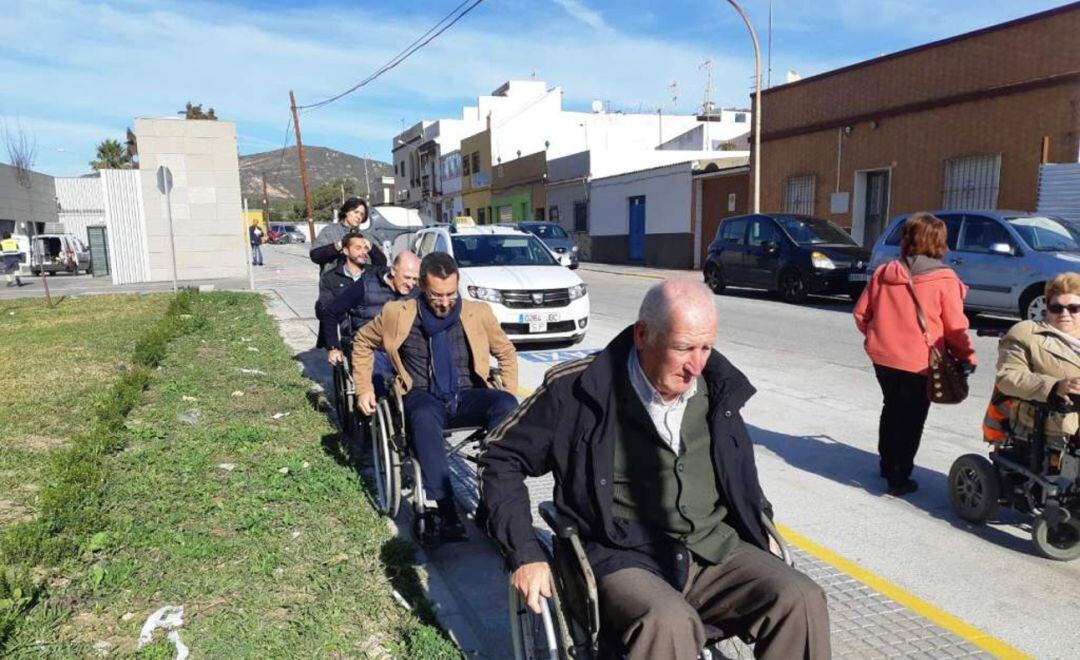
[
  {"x": 636, "y": 251},
  {"x": 871, "y": 205}
]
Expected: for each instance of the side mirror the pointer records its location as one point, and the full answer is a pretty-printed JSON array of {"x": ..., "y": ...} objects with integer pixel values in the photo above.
[
  {"x": 770, "y": 246},
  {"x": 1001, "y": 248}
]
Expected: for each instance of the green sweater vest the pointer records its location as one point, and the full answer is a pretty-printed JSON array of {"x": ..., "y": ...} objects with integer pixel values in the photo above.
[{"x": 677, "y": 495}]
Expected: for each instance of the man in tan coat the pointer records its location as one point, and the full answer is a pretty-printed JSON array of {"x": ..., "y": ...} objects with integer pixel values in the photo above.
[{"x": 440, "y": 347}]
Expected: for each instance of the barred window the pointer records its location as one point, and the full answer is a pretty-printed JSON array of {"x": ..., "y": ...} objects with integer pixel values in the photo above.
[
  {"x": 581, "y": 216},
  {"x": 971, "y": 182},
  {"x": 799, "y": 195}
]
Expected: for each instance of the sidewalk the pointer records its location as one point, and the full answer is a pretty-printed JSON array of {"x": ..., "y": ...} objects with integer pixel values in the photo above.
[{"x": 870, "y": 617}]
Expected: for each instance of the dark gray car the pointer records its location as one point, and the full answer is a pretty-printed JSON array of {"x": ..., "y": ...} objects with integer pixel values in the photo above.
[{"x": 553, "y": 236}]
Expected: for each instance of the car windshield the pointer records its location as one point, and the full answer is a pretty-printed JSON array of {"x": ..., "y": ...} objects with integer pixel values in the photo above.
[
  {"x": 548, "y": 231},
  {"x": 501, "y": 250},
  {"x": 814, "y": 231},
  {"x": 1047, "y": 234}
]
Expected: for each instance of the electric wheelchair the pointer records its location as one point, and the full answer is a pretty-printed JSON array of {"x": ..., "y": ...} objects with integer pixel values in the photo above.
[
  {"x": 1032, "y": 474},
  {"x": 396, "y": 470},
  {"x": 568, "y": 627}
]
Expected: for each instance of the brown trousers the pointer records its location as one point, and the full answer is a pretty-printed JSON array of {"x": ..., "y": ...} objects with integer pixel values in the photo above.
[{"x": 751, "y": 594}]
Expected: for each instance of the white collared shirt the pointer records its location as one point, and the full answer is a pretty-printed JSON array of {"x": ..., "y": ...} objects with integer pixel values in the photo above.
[
  {"x": 345, "y": 269},
  {"x": 666, "y": 417}
]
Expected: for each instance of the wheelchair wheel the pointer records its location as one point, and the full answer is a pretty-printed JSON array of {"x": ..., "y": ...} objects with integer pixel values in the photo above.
[
  {"x": 535, "y": 636},
  {"x": 387, "y": 462},
  {"x": 346, "y": 409},
  {"x": 974, "y": 488},
  {"x": 1059, "y": 542}
]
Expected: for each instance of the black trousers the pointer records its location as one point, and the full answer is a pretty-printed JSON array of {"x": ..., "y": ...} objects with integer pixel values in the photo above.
[{"x": 903, "y": 414}]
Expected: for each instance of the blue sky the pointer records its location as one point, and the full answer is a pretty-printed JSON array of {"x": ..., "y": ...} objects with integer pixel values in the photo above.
[{"x": 75, "y": 72}]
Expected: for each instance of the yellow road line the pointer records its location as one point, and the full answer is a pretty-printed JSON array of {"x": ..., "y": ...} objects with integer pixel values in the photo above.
[{"x": 965, "y": 631}]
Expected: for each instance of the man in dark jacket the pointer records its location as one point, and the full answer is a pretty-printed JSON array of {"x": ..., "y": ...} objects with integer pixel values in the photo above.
[
  {"x": 654, "y": 464},
  {"x": 361, "y": 301}
]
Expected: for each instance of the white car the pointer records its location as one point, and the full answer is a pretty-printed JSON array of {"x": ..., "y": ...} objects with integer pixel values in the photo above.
[
  {"x": 534, "y": 298},
  {"x": 59, "y": 252}
]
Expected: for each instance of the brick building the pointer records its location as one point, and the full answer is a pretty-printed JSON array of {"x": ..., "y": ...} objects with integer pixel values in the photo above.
[{"x": 960, "y": 123}]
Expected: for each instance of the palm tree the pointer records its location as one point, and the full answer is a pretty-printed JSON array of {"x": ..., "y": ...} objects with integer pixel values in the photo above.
[{"x": 111, "y": 155}]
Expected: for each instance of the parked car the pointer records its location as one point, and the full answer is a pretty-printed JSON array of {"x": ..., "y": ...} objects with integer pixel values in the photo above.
[
  {"x": 532, "y": 295},
  {"x": 285, "y": 233},
  {"x": 54, "y": 253},
  {"x": 795, "y": 255},
  {"x": 1005, "y": 257},
  {"x": 556, "y": 238}
]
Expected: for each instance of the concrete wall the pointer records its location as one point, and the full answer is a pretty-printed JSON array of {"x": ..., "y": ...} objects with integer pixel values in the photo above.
[
  {"x": 80, "y": 204},
  {"x": 668, "y": 232},
  {"x": 18, "y": 207},
  {"x": 209, "y": 230}
]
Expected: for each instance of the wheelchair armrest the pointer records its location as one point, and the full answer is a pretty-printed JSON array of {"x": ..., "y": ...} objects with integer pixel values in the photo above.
[
  {"x": 562, "y": 526},
  {"x": 495, "y": 378},
  {"x": 774, "y": 534}
]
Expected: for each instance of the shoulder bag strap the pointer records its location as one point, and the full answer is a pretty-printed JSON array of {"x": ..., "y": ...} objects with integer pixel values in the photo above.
[{"x": 918, "y": 308}]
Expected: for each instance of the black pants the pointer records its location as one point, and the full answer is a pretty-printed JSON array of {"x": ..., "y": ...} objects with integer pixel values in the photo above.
[{"x": 903, "y": 414}]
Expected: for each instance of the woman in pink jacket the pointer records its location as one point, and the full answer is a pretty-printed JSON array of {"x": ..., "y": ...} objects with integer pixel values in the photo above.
[{"x": 885, "y": 314}]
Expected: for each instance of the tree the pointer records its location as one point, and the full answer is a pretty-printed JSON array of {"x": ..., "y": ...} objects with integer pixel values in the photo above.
[
  {"x": 22, "y": 153},
  {"x": 111, "y": 155},
  {"x": 326, "y": 199},
  {"x": 196, "y": 112}
]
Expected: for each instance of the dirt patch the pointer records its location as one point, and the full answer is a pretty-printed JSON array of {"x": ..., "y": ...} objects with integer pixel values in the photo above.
[
  {"x": 38, "y": 443},
  {"x": 11, "y": 512}
]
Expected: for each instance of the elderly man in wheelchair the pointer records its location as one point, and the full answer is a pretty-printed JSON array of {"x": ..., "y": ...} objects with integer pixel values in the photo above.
[
  {"x": 655, "y": 475},
  {"x": 440, "y": 348}
]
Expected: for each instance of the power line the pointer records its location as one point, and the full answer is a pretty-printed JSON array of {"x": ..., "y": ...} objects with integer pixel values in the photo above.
[{"x": 416, "y": 45}]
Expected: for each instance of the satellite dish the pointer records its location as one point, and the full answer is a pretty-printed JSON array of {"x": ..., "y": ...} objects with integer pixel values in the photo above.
[{"x": 598, "y": 106}]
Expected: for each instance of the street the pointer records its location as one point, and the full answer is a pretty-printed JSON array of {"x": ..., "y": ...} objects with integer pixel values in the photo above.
[{"x": 814, "y": 421}]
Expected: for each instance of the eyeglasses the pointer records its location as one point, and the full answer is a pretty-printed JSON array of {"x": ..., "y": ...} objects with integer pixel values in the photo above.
[
  {"x": 1056, "y": 308},
  {"x": 448, "y": 297}
]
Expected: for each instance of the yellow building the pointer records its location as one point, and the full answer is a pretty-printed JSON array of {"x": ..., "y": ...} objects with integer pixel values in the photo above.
[{"x": 476, "y": 177}]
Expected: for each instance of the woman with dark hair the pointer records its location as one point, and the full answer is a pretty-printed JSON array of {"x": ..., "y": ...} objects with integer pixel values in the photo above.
[
  {"x": 898, "y": 347},
  {"x": 353, "y": 218}
]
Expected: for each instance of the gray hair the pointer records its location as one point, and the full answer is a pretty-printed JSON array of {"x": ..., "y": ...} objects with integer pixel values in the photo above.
[{"x": 664, "y": 299}]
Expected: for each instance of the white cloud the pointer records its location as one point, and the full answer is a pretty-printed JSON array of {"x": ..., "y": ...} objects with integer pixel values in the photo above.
[{"x": 579, "y": 11}]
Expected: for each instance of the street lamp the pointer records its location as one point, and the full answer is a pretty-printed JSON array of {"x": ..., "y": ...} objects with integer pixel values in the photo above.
[{"x": 757, "y": 106}]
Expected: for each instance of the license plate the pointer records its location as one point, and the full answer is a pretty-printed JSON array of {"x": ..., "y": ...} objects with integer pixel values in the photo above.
[
  {"x": 537, "y": 322},
  {"x": 858, "y": 277}
]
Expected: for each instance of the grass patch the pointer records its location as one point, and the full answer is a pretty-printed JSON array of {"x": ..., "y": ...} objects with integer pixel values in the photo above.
[
  {"x": 245, "y": 520},
  {"x": 57, "y": 363}
]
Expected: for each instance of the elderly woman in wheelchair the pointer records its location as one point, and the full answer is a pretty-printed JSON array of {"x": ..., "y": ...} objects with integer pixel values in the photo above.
[
  {"x": 662, "y": 531},
  {"x": 1033, "y": 429}
]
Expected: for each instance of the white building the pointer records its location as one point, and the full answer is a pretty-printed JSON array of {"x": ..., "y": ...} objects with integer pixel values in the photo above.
[{"x": 646, "y": 216}]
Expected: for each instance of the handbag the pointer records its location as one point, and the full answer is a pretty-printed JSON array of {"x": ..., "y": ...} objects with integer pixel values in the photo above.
[{"x": 947, "y": 382}]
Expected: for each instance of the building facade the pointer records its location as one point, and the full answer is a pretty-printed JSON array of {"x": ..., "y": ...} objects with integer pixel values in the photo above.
[
  {"x": 28, "y": 203},
  {"x": 960, "y": 123}
]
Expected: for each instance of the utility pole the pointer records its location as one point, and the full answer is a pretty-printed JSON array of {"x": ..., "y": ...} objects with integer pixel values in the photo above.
[
  {"x": 706, "y": 105},
  {"x": 367, "y": 182},
  {"x": 757, "y": 105},
  {"x": 303, "y": 168},
  {"x": 265, "y": 205}
]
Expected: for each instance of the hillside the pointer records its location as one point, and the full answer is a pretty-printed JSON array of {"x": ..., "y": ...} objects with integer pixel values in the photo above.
[{"x": 324, "y": 166}]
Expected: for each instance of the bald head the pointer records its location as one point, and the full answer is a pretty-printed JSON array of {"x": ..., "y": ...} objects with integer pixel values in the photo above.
[
  {"x": 674, "y": 335},
  {"x": 405, "y": 272},
  {"x": 676, "y": 302}
]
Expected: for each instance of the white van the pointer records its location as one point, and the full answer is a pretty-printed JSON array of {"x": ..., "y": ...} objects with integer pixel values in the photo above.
[{"x": 54, "y": 253}]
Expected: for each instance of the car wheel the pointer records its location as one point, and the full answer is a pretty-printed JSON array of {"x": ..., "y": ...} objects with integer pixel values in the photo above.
[
  {"x": 714, "y": 278},
  {"x": 792, "y": 287},
  {"x": 1033, "y": 304}
]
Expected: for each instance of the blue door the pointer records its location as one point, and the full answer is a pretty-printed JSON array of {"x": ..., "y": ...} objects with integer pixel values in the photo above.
[{"x": 637, "y": 229}]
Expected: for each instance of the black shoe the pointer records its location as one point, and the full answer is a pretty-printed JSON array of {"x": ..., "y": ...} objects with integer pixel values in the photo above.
[
  {"x": 901, "y": 488},
  {"x": 435, "y": 530}
]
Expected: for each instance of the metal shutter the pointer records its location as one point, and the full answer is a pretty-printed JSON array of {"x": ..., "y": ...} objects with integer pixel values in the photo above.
[
  {"x": 971, "y": 182},
  {"x": 1059, "y": 190}
]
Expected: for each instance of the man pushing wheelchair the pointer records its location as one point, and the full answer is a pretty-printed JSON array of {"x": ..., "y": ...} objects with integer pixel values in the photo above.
[{"x": 655, "y": 468}]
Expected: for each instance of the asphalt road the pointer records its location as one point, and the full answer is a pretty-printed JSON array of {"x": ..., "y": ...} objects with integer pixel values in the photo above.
[{"x": 814, "y": 421}]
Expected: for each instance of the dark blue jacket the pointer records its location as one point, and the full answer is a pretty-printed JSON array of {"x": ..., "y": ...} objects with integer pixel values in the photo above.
[
  {"x": 569, "y": 427},
  {"x": 354, "y": 305}
]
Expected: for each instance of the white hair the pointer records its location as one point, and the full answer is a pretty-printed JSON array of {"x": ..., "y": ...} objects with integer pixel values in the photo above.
[{"x": 662, "y": 301}]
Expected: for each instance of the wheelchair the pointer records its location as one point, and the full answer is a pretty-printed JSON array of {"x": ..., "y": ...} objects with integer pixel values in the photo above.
[
  {"x": 1032, "y": 475},
  {"x": 568, "y": 627},
  {"x": 397, "y": 473},
  {"x": 349, "y": 416}
]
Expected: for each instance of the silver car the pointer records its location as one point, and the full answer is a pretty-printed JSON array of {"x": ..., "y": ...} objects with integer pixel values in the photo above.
[{"x": 1005, "y": 257}]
